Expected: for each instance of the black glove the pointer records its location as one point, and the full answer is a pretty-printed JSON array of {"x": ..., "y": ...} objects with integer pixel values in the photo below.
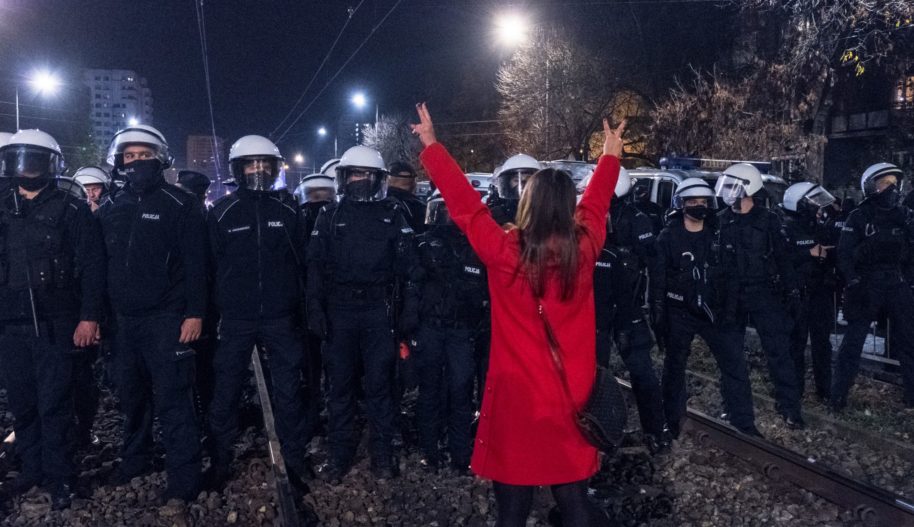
[
  {"x": 317, "y": 323},
  {"x": 658, "y": 318}
]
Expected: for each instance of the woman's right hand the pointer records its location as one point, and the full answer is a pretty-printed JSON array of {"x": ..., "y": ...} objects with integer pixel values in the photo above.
[
  {"x": 612, "y": 145},
  {"x": 424, "y": 129}
]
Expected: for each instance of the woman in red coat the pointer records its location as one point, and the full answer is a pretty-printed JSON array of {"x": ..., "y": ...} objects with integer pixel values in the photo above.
[{"x": 527, "y": 435}]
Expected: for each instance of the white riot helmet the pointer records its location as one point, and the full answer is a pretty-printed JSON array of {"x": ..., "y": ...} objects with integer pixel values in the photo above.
[
  {"x": 329, "y": 168},
  {"x": 875, "y": 172},
  {"x": 436, "y": 212},
  {"x": 142, "y": 135},
  {"x": 623, "y": 184},
  {"x": 5, "y": 138},
  {"x": 738, "y": 181},
  {"x": 366, "y": 162},
  {"x": 313, "y": 184},
  {"x": 693, "y": 187},
  {"x": 262, "y": 155},
  {"x": 806, "y": 196},
  {"x": 33, "y": 157},
  {"x": 92, "y": 175},
  {"x": 511, "y": 176}
]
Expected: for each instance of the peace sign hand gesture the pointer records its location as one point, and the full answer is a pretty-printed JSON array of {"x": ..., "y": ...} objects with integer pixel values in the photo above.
[
  {"x": 613, "y": 143},
  {"x": 424, "y": 129}
]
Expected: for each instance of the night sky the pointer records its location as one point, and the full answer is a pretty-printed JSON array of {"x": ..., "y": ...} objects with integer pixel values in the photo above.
[{"x": 263, "y": 53}]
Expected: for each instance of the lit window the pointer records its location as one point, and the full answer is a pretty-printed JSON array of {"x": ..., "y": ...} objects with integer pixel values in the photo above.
[{"x": 904, "y": 91}]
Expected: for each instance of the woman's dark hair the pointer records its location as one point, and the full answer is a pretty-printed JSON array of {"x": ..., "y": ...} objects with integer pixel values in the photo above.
[{"x": 548, "y": 231}]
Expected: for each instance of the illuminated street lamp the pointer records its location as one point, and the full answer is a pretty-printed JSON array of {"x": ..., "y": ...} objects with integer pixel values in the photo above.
[
  {"x": 299, "y": 159},
  {"x": 359, "y": 100},
  {"x": 133, "y": 121},
  {"x": 511, "y": 29},
  {"x": 44, "y": 83},
  {"x": 322, "y": 131}
]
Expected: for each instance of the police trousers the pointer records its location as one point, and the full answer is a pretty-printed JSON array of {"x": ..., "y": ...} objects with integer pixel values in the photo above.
[{"x": 815, "y": 323}]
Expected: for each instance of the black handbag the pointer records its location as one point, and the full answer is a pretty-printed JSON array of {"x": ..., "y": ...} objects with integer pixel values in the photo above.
[{"x": 603, "y": 417}]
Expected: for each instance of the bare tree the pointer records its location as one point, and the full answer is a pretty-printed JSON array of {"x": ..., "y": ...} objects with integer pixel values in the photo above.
[
  {"x": 554, "y": 93},
  {"x": 393, "y": 137}
]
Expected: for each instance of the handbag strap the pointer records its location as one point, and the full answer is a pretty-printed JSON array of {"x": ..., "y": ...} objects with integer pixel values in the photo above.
[{"x": 554, "y": 350}]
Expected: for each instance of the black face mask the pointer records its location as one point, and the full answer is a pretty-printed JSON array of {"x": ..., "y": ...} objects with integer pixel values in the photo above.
[
  {"x": 888, "y": 198},
  {"x": 360, "y": 190},
  {"x": 144, "y": 175},
  {"x": 31, "y": 184},
  {"x": 697, "y": 212}
]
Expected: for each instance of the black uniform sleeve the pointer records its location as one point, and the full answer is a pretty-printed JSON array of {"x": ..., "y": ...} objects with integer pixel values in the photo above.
[
  {"x": 89, "y": 249},
  {"x": 193, "y": 252},
  {"x": 317, "y": 255},
  {"x": 407, "y": 266},
  {"x": 782, "y": 256},
  {"x": 643, "y": 234},
  {"x": 657, "y": 266},
  {"x": 851, "y": 236},
  {"x": 797, "y": 255}
]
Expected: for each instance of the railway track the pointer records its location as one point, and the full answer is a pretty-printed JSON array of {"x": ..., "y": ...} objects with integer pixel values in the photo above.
[{"x": 872, "y": 505}]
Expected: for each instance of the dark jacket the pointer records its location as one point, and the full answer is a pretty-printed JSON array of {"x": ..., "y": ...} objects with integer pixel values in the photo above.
[
  {"x": 876, "y": 240},
  {"x": 257, "y": 240},
  {"x": 753, "y": 247},
  {"x": 53, "y": 244},
  {"x": 684, "y": 274},
  {"x": 156, "y": 246},
  {"x": 413, "y": 208},
  {"x": 453, "y": 280},
  {"x": 358, "y": 251},
  {"x": 802, "y": 234}
]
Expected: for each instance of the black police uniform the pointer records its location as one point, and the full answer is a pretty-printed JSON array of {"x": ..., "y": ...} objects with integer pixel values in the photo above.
[
  {"x": 453, "y": 298},
  {"x": 413, "y": 208},
  {"x": 313, "y": 369},
  {"x": 628, "y": 247},
  {"x": 652, "y": 210},
  {"x": 359, "y": 254},
  {"x": 752, "y": 248},
  {"x": 875, "y": 256},
  {"x": 815, "y": 316},
  {"x": 51, "y": 250},
  {"x": 257, "y": 241},
  {"x": 156, "y": 278},
  {"x": 684, "y": 282},
  {"x": 503, "y": 210}
]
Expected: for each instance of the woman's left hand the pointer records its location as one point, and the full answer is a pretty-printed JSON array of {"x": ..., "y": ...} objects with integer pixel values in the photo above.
[{"x": 424, "y": 129}]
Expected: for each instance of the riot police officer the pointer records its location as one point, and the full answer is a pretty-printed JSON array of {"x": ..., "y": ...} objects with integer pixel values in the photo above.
[
  {"x": 684, "y": 283},
  {"x": 874, "y": 255},
  {"x": 257, "y": 237},
  {"x": 96, "y": 182},
  {"x": 52, "y": 275},
  {"x": 619, "y": 286},
  {"x": 811, "y": 242},
  {"x": 194, "y": 182},
  {"x": 401, "y": 186},
  {"x": 453, "y": 299},
  {"x": 315, "y": 191},
  {"x": 505, "y": 195},
  {"x": 751, "y": 246},
  {"x": 155, "y": 237},
  {"x": 360, "y": 259}
]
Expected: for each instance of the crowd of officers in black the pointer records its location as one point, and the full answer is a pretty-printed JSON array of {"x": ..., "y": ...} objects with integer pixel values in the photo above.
[{"x": 342, "y": 284}]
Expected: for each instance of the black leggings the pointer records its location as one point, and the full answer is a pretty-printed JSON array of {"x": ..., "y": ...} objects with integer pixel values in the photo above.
[{"x": 515, "y": 501}]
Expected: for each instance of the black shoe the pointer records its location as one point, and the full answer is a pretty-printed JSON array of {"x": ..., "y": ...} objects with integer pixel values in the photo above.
[
  {"x": 795, "y": 421},
  {"x": 333, "y": 471},
  {"x": 460, "y": 467},
  {"x": 300, "y": 476},
  {"x": 21, "y": 484},
  {"x": 61, "y": 496},
  {"x": 385, "y": 468},
  {"x": 657, "y": 446},
  {"x": 751, "y": 430}
]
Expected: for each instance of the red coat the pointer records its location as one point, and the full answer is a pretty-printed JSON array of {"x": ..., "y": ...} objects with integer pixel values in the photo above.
[{"x": 526, "y": 433}]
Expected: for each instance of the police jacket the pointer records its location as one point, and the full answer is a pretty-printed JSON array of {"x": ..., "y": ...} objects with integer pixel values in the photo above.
[
  {"x": 504, "y": 211},
  {"x": 684, "y": 275},
  {"x": 653, "y": 211},
  {"x": 632, "y": 232},
  {"x": 452, "y": 284},
  {"x": 156, "y": 246},
  {"x": 876, "y": 240},
  {"x": 53, "y": 245},
  {"x": 752, "y": 247},
  {"x": 802, "y": 234},
  {"x": 257, "y": 241},
  {"x": 413, "y": 208},
  {"x": 358, "y": 252},
  {"x": 608, "y": 283},
  {"x": 310, "y": 211}
]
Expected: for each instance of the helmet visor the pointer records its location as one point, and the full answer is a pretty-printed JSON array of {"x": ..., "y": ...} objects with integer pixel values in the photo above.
[
  {"x": 256, "y": 173},
  {"x": 510, "y": 183},
  {"x": 30, "y": 162},
  {"x": 818, "y": 197},
  {"x": 362, "y": 183},
  {"x": 318, "y": 194},
  {"x": 436, "y": 213},
  {"x": 145, "y": 146},
  {"x": 730, "y": 189}
]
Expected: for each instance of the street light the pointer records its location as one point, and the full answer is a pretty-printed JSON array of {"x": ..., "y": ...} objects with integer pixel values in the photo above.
[
  {"x": 133, "y": 121},
  {"x": 359, "y": 100},
  {"x": 322, "y": 131},
  {"x": 511, "y": 29},
  {"x": 42, "y": 81},
  {"x": 299, "y": 159}
]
